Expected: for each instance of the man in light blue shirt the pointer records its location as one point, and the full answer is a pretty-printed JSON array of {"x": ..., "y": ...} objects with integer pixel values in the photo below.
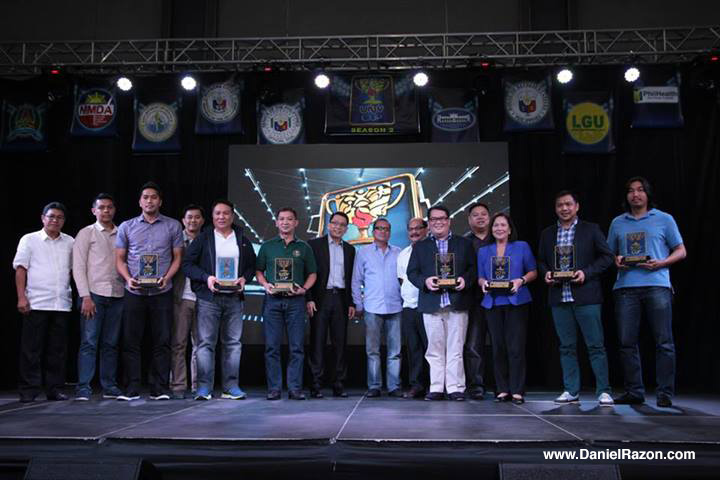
[
  {"x": 376, "y": 293},
  {"x": 644, "y": 231}
]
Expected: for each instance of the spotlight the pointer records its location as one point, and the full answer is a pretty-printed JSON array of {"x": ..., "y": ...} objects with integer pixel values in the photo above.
[
  {"x": 188, "y": 83},
  {"x": 322, "y": 80},
  {"x": 420, "y": 79},
  {"x": 632, "y": 74},
  {"x": 124, "y": 84},
  {"x": 565, "y": 75}
]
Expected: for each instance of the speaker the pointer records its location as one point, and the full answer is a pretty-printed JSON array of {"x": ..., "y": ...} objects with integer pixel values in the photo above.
[
  {"x": 49, "y": 468},
  {"x": 544, "y": 471}
]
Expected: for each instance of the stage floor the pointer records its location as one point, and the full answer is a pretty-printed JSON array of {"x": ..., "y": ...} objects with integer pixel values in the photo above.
[{"x": 321, "y": 433}]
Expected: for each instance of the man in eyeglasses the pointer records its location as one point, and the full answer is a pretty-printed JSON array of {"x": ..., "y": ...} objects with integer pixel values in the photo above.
[
  {"x": 376, "y": 292},
  {"x": 330, "y": 304},
  {"x": 42, "y": 266}
]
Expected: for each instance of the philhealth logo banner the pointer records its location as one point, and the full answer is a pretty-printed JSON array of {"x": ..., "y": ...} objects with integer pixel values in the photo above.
[
  {"x": 157, "y": 123},
  {"x": 371, "y": 104},
  {"x": 528, "y": 104},
  {"x": 280, "y": 118},
  {"x": 656, "y": 101},
  {"x": 218, "y": 108},
  {"x": 24, "y": 126},
  {"x": 95, "y": 111},
  {"x": 588, "y": 122},
  {"x": 453, "y": 114}
]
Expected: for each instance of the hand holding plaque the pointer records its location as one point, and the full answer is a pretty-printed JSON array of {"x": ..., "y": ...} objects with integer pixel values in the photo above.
[
  {"x": 445, "y": 270},
  {"x": 226, "y": 275},
  {"x": 636, "y": 249},
  {"x": 499, "y": 276},
  {"x": 283, "y": 284},
  {"x": 564, "y": 265},
  {"x": 148, "y": 272}
]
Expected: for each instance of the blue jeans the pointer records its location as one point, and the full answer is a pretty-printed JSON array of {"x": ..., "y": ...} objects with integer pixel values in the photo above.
[
  {"x": 104, "y": 327},
  {"x": 279, "y": 314},
  {"x": 374, "y": 323},
  {"x": 656, "y": 305},
  {"x": 222, "y": 316},
  {"x": 567, "y": 318}
]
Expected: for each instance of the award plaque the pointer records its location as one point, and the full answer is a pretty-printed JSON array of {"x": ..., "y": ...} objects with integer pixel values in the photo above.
[
  {"x": 226, "y": 274},
  {"x": 148, "y": 274},
  {"x": 564, "y": 266},
  {"x": 283, "y": 283},
  {"x": 499, "y": 275},
  {"x": 636, "y": 249},
  {"x": 445, "y": 270}
]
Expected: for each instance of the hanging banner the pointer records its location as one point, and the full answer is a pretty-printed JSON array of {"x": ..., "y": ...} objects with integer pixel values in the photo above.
[
  {"x": 157, "y": 125},
  {"x": 453, "y": 114},
  {"x": 218, "y": 109},
  {"x": 371, "y": 104},
  {"x": 280, "y": 118},
  {"x": 656, "y": 101},
  {"x": 94, "y": 112},
  {"x": 588, "y": 122},
  {"x": 528, "y": 104},
  {"x": 24, "y": 126}
]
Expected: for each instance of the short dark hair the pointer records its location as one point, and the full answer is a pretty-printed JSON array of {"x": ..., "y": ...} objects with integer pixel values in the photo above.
[
  {"x": 223, "y": 201},
  {"x": 153, "y": 186},
  {"x": 193, "y": 206},
  {"x": 475, "y": 205},
  {"x": 563, "y": 193},
  {"x": 103, "y": 196},
  {"x": 442, "y": 208},
  {"x": 424, "y": 222},
  {"x": 381, "y": 219},
  {"x": 340, "y": 214},
  {"x": 513, "y": 233},
  {"x": 287, "y": 209},
  {"x": 646, "y": 186},
  {"x": 54, "y": 206}
]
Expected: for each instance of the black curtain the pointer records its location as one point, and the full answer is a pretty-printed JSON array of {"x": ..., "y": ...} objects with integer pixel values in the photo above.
[{"x": 682, "y": 165}]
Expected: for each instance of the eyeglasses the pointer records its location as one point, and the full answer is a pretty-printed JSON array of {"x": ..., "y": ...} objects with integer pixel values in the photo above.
[
  {"x": 52, "y": 218},
  {"x": 382, "y": 229},
  {"x": 338, "y": 224},
  {"x": 438, "y": 219}
]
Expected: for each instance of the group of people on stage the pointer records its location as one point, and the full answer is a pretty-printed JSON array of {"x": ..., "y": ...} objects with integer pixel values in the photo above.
[{"x": 440, "y": 296}]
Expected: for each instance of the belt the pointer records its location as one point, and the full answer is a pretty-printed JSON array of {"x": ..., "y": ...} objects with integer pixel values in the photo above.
[{"x": 335, "y": 290}]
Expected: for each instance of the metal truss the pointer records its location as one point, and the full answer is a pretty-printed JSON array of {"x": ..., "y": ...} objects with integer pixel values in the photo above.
[{"x": 376, "y": 52}]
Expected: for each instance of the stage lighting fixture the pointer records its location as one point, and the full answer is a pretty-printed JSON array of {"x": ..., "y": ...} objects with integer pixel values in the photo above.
[
  {"x": 565, "y": 75},
  {"x": 632, "y": 74},
  {"x": 124, "y": 84},
  {"x": 322, "y": 80},
  {"x": 420, "y": 79},
  {"x": 188, "y": 82}
]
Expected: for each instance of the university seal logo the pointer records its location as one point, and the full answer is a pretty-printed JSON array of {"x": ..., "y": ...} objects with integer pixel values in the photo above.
[
  {"x": 157, "y": 122},
  {"x": 281, "y": 123},
  {"x": 527, "y": 102},
  {"x": 220, "y": 103}
]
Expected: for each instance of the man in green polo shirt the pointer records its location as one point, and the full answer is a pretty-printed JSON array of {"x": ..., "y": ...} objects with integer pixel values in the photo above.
[{"x": 286, "y": 269}]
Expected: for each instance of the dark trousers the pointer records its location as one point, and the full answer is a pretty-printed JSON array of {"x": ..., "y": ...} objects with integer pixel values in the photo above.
[
  {"x": 413, "y": 330},
  {"x": 508, "y": 331},
  {"x": 474, "y": 349},
  {"x": 332, "y": 313},
  {"x": 44, "y": 337},
  {"x": 157, "y": 311}
]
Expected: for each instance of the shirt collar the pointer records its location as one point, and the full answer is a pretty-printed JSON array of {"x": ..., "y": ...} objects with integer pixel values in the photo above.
[
  {"x": 332, "y": 242},
  {"x": 630, "y": 216},
  {"x": 447, "y": 239},
  {"x": 44, "y": 236},
  {"x": 98, "y": 226},
  {"x": 572, "y": 225},
  {"x": 158, "y": 219}
]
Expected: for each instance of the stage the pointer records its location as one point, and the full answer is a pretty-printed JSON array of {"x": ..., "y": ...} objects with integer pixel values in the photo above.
[{"x": 356, "y": 437}]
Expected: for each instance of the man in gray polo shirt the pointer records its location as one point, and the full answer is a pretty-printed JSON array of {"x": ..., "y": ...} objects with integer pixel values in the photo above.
[{"x": 149, "y": 248}]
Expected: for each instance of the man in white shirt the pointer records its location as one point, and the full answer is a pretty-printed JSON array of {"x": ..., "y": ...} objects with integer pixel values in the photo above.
[
  {"x": 42, "y": 266},
  {"x": 413, "y": 329}
]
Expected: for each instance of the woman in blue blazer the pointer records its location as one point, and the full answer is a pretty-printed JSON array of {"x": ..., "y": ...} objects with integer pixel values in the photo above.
[{"x": 507, "y": 312}]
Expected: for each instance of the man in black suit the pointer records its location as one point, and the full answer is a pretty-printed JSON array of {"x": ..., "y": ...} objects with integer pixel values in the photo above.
[
  {"x": 445, "y": 310},
  {"x": 577, "y": 301},
  {"x": 330, "y": 304}
]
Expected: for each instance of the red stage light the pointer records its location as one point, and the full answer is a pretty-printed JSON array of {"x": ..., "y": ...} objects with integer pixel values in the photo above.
[
  {"x": 55, "y": 71},
  {"x": 267, "y": 69},
  {"x": 714, "y": 58}
]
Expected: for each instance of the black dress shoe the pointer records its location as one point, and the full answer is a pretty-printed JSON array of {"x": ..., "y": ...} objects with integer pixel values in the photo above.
[
  {"x": 505, "y": 398},
  {"x": 457, "y": 396},
  {"x": 57, "y": 397},
  {"x": 415, "y": 392},
  {"x": 435, "y": 396},
  {"x": 316, "y": 393},
  {"x": 397, "y": 393},
  {"x": 296, "y": 395},
  {"x": 628, "y": 399},
  {"x": 339, "y": 392},
  {"x": 477, "y": 395},
  {"x": 373, "y": 393},
  {"x": 663, "y": 401},
  {"x": 273, "y": 395}
]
